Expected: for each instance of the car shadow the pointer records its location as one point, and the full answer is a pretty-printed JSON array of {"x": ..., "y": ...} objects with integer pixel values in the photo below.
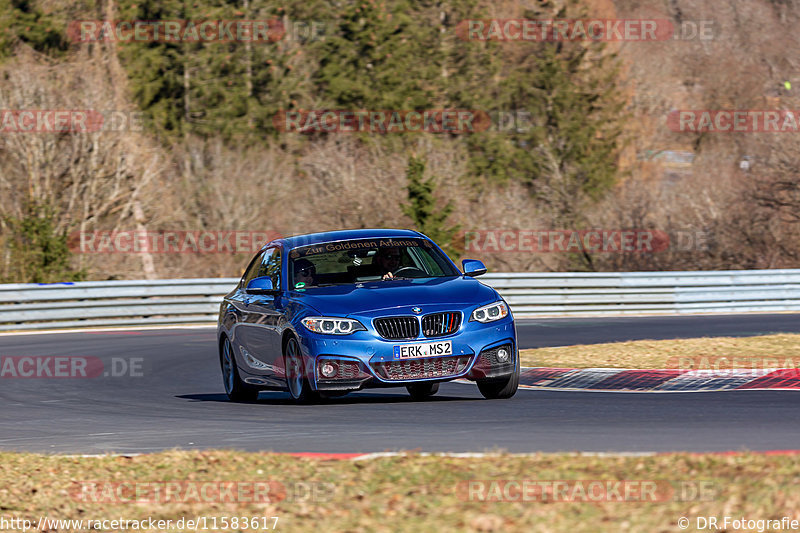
[{"x": 282, "y": 398}]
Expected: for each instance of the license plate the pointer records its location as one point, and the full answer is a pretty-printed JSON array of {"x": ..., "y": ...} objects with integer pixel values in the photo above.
[{"x": 429, "y": 349}]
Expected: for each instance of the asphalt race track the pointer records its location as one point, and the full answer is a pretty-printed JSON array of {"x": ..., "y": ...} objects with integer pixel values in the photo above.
[{"x": 176, "y": 399}]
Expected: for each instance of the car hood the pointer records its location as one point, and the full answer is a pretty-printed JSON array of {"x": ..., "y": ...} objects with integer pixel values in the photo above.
[{"x": 379, "y": 297}]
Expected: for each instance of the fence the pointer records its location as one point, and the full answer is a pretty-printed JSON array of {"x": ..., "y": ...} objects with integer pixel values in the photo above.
[{"x": 181, "y": 301}]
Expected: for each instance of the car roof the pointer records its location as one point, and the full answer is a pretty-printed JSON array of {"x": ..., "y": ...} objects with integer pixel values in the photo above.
[{"x": 343, "y": 235}]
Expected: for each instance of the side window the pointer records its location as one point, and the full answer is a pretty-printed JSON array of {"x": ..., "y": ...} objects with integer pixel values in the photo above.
[
  {"x": 271, "y": 266},
  {"x": 424, "y": 261},
  {"x": 252, "y": 270}
]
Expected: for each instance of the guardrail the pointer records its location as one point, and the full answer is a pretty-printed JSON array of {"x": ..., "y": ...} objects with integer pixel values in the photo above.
[
  {"x": 111, "y": 303},
  {"x": 180, "y": 301}
]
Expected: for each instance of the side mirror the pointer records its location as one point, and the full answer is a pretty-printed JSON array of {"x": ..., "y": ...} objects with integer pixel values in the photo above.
[
  {"x": 262, "y": 285},
  {"x": 473, "y": 267}
]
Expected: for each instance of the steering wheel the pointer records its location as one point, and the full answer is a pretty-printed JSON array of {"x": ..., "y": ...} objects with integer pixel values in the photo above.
[{"x": 399, "y": 270}]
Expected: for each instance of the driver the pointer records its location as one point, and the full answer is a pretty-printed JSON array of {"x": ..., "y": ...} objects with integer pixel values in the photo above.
[
  {"x": 388, "y": 260},
  {"x": 305, "y": 272}
]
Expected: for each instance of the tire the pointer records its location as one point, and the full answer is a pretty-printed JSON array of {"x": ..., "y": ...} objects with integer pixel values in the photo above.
[
  {"x": 296, "y": 381},
  {"x": 502, "y": 388},
  {"x": 236, "y": 389},
  {"x": 421, "y": 391}
]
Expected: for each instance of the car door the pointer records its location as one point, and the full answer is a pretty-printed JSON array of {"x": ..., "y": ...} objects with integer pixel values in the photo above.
[
  {"x": 261, "y": 318},
  {"x": 236, "y": 300}
]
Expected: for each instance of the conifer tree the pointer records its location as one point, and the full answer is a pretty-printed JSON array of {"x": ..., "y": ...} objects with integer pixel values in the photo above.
[
  {"x": 422, "y": 207},
  {"x": 38, "y": 252},
  {"x": 381, "y": 56},
  {"x": 567, "y": 108},
  {"x": 23, "y": 22}
]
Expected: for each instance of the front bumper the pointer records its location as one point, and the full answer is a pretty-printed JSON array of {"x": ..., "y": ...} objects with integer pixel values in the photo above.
[{"x": 365, "y": 360}]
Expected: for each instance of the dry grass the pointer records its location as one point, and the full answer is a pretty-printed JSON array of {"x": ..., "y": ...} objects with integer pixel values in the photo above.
[
  {"x": 413, "y": 493},
  {"x": 767, "y": 351}
]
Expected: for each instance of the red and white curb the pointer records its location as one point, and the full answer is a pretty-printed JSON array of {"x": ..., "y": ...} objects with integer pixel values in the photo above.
[{"x": 666, "y": 380}]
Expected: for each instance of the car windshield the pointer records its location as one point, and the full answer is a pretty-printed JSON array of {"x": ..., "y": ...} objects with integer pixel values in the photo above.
[{"x": 353, "y": 261}]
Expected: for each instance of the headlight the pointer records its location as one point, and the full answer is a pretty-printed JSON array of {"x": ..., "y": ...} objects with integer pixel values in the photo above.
[
  {"x": 332, "y": 325},
  {"x": 490, "y": 313}
]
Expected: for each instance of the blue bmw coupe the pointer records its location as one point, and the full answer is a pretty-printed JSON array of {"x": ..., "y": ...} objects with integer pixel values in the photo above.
[{"x": 325, "y": 314}]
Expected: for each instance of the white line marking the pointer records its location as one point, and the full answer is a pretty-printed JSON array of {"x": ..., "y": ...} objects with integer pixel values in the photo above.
[
  {"x": 99, "y": 455},
  {"x": 102, "y": 329},
  {"x": 381, "y": 455}
]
